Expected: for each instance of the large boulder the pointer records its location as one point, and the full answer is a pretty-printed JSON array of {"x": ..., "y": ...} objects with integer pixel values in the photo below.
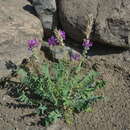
[
  {"x": 17, "y": 25},
  {"x": 111, "y": 20}
]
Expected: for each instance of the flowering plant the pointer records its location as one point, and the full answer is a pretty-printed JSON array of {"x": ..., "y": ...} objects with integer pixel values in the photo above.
[
  {"x": 52, "y": 41},
  {"x": 60, "y": 90},
  {"x": 32, "y": 44},
  {"x": 57, "y": 39},
  {"x": 86, "y": 45}
]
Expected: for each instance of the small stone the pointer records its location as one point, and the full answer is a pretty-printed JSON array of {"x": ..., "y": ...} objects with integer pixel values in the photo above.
[
  {"x": 127, "y": 56},
  {"x": 127, "y": 59},
  {"x": 58, "y": 52}
]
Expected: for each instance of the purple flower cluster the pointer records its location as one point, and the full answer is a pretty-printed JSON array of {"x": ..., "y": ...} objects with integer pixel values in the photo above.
[
  {"x": 53, "y": 41},
  {"x": 87, "y": 43},
  {"x": 32, "y": 43},
  {"x": 62, "y": 33},
  {"x": 75, "y": 56}
]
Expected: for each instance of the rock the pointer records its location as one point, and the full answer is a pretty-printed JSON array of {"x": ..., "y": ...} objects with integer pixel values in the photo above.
[
  {"x": 111, "y": 20},
  {"x": 46, "y": 10},
  {"x": 59, "y": 52},
  {"x": 127, "y": 56},
  {"x": 17, "y": 26}
]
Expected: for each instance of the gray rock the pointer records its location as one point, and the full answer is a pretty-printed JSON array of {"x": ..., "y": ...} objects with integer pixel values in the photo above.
[
  {"x": 59, "y": 52},
  {"x": 111, "y": 20},
  {"x": 17, "y": 26},
  {"x": 46, "y": 10}
]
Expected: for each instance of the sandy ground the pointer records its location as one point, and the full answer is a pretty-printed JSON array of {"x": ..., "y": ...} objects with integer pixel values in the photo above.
[{"x": 112, "y": 113}]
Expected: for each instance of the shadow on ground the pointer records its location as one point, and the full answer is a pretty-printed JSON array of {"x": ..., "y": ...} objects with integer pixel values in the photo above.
[{"x": 97, "y": 49}]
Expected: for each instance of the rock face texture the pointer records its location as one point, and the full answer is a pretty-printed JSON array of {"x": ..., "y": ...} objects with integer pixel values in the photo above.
[
  {"x": 45, "y": 10},
  {"x": 17, "y": 25},
  {"x": 111, "y": 20}
]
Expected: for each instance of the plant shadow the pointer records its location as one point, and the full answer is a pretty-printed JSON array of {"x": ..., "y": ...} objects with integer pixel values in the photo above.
[{"x": 14, "y": 105}]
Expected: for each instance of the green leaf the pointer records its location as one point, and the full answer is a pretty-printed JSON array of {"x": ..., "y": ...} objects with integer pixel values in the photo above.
[
  {"x": 22, "y": 74},
  {"x": 89, "y": 109},
  {"x": 54, "y": 116},
  {"x": 45, "y": 70},
  {"x": 41, "y": 109},
  {"x": 78, "y": 69},
  {"x": 89, "y": 78},
  {"x": 24, "y": 98}
]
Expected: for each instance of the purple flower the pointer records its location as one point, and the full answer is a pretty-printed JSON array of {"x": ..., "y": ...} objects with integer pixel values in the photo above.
[
  {"x": 87, "y": 43},
  {"x": 62, "y": 33},
  {"x": 52, "y": 41},
  {"x": 75, "y": 56},
  {"x": 32, "y": 43}
]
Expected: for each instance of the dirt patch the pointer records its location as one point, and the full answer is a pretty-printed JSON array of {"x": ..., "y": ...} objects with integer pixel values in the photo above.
[{"x": 112, "y": 113}]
